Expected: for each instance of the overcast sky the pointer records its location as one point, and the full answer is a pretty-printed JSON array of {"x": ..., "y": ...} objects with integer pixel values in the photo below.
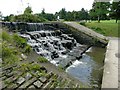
[{"x": 51, "y": 6}]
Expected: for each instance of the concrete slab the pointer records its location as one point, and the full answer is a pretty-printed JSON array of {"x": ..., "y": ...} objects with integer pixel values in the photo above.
[
  {"x": 110, "y": 74},
  {"x": 87, "y": 31}
]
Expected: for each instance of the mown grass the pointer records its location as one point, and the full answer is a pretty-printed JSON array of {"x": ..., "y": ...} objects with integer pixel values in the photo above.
[{"x": 105, "y": 27}]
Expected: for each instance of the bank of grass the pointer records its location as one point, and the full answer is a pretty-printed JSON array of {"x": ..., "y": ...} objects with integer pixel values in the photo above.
[{"x": 105, "y": 27}]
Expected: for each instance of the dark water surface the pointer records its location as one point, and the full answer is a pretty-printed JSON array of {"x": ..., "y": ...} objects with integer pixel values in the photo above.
[{"x": 89, "y": 69}]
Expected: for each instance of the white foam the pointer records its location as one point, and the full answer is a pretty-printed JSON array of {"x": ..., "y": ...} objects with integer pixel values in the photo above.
[
  {"x": 76, "y": 63},
  {"x": 63, "y": 56},
  {"x": 53, "y": 62},
  {"x": 89, "y": 50}
]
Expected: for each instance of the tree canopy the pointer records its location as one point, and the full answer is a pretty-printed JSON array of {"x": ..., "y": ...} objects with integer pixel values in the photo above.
[
  {"x": 115, "y": 9},
  {"x": 99, "y": 10},
  {"x": 28, "y": 10}
]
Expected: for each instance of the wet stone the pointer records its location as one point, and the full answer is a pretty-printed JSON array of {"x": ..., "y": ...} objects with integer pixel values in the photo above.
[
  {"x": 20, "y": 80},
  {"x": 38, "y": 84},
  {"x": 42, "y": 79}
]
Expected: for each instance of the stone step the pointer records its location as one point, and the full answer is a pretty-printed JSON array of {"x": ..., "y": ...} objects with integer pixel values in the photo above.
[
  {"x": 48, "y": 84},
  {"x": 38, "y": 84},
  {"x": 43, "y": 79},
  {"x": 13, "y": 86},
  {"x": 63, "y": 81},
  {"x": 31, "y": 87},
  {"x": 67, "y": 83},
  {"x": 4, "y": 85},
  {"x": 8, "y": 67},
  {"x": 28, "y": 83}
]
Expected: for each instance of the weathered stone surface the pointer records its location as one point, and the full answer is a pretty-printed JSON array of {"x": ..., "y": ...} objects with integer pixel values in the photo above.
[
  {"x": 28, "y": 76},
  {"x": 47, "y": 84},
  {"x": 110, "y": 73},
  {"x": 85, "y": 34},
  {"x": 13, "y": 86},
  {"x": 3, "y": 84},
  {"x": 9, "y": 80},
  {"x": 32, "y": 86},
  {"x": 38, "y": 84},
  {"x": 3, "y": 78},
  {"x": 27, "y": 83},
  {"x": 20, "y": 80},
  {"x": 9, "y": 74},
  {"x": 42, "y": 79}
]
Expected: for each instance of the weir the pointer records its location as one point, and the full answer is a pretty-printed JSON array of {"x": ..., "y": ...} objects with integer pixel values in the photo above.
[{"x": 65, "y": 48}]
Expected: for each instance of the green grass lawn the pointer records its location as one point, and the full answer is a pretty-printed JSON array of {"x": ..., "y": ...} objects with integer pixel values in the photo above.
[{"x": 106, "y": 27}]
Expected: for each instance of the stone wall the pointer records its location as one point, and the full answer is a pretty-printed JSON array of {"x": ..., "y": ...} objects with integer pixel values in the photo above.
[{"x": 80, "y": 36}]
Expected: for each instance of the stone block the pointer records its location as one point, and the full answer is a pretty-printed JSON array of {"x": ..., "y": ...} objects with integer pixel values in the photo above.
[
  {"x": 28, "y": 76},
  {"x": 32, "y": 86},
  {"x": 38, "y": 84},
  {"x": 27, "y": 83},
  {"x": 42, "y": 79},
  {"x": 20, "y": 80}
]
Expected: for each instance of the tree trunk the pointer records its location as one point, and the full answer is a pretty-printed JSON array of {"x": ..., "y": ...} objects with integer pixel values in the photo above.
[
  {"x": 98, "y": 19},
  {"x": 116, "y": 20}
]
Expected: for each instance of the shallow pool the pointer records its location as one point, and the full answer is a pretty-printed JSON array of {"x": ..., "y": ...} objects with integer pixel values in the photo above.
[{"x": 89, "y": 68}]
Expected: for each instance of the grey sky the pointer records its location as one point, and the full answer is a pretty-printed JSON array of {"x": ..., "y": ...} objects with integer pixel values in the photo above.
[{"x": 51, "y": 6}]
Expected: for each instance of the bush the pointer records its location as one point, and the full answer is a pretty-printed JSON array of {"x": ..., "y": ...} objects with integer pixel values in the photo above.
[
  {"x": 42, "y": 59},
  {"x": 30, "y": 67},
  {"x": 82, "y": 23},
  {"x": 6, "y": 36},
  {"x": 9, "y": 55},
  {"x": 20, "y": 42},
  {"x": 28, "y": 49}
]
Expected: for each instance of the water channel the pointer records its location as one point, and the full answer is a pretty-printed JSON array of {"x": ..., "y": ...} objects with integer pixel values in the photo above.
[{"x": 83, "y": 62}]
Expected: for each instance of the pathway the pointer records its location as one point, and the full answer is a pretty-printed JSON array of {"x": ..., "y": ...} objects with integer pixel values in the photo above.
[{"x": 110, "y": 74}]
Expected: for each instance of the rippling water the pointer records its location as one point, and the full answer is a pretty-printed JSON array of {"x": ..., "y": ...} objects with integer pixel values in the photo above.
[{"x": 89, "y": 68}]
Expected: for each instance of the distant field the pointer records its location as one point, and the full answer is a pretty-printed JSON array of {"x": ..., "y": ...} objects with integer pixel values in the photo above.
[{"x": 106, "y": 27}]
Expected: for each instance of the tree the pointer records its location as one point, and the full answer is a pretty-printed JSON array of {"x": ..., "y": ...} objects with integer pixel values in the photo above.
[
  {"x": 83, "y": 14},
  {"x": 43, "y": 11},
  {"x": 62, "y": 13},
  {"x": 115, "y": 10},
  {"x": 99, "y": 9},
  {"x": 9, "y": 18},
  {"x": 28, "y": 10},
  {"x": 69, "y": 16}
]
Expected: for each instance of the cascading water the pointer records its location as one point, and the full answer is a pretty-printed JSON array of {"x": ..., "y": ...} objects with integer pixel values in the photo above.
[
  {"x": 58, "y": 48},
  {"x": 64, "y": 51}
]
